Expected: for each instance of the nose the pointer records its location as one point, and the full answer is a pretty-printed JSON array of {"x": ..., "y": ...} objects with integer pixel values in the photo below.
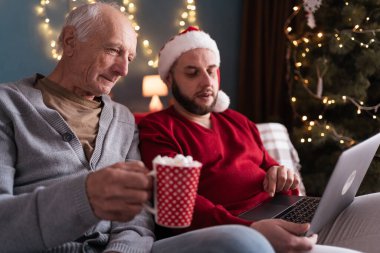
[
  {"x": 206, "y": 79},
  {"x": 121, "y": 66}
]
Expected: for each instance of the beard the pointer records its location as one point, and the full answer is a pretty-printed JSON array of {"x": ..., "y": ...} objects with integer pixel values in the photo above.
[{"x": 189, "y": 104}]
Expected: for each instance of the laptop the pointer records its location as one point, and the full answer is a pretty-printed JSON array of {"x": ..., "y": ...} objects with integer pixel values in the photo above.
[{"x": 340, "y": 191}]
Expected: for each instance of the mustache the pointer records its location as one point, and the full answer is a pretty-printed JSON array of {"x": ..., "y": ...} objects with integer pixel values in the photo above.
[{"x": 205, "y": 91}]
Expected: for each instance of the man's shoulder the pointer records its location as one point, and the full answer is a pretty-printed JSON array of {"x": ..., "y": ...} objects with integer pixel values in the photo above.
[
  {"x": 231, "y": 114},
  {"x": 160, "y": 116},
  {"x": 14, "y": 85},
  {"x": 16, "y": 91}
]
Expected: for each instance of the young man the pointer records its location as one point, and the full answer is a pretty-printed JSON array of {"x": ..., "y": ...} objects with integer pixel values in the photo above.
[
  {"x": 65, "y": 185},
  {"x": 237, "y": 172}
]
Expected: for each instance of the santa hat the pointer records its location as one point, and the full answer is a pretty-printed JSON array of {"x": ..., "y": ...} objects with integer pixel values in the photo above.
[{"x": 189, "y": 39}]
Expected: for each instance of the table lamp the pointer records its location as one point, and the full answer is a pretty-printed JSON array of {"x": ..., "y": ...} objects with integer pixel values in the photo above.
[{"x": 154, "y": 87}]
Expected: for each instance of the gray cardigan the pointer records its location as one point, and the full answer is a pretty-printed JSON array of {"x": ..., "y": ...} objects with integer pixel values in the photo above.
[{"x": 43, "y": 203}]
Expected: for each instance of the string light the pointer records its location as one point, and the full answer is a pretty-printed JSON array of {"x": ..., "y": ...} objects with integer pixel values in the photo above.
[
  {"x": 317, "y": 41},
  {"x": 188, "y": 17}
]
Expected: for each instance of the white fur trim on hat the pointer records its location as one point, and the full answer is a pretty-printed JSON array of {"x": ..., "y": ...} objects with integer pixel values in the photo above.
[
  {"x": 182, "y": 43},
  {"x": 222, "y": 102}
]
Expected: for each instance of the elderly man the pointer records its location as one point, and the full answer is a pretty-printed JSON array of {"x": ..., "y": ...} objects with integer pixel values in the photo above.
[
  {"x": 65, "y": 185},
  {"x": 237, "y": 172}
]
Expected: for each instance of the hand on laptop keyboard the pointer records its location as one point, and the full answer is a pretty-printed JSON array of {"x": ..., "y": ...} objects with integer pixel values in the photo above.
[{"x": 280, "y": 178}]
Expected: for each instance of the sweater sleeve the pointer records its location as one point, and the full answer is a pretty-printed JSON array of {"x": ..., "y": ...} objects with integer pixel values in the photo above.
[
  {"x": 135, "y": 236},
  {"x": 268, "y": 161}
]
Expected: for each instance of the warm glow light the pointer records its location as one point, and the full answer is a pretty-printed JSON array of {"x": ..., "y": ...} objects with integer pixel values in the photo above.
[
  {"x": 154, "y": 87},
  {"x": 184, "y": 15},
  {"x": 188, "y": 17},
  {"x": 146, "y": 43}
]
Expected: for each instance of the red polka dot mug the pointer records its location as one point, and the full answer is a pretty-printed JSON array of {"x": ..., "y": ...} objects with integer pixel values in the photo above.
[{"x": 175, "y": 190}]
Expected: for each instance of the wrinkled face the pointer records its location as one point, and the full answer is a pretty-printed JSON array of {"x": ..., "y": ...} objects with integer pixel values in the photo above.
[
  {"x": 97, "y": 63},
  {"x": 194, "y": 81}
]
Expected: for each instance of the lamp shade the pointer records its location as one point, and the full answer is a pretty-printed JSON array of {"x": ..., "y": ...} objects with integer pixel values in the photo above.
[{"x": 153, "y": 85}]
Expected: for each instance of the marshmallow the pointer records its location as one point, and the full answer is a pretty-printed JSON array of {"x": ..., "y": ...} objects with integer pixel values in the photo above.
[{"x": 179, "y": 160}]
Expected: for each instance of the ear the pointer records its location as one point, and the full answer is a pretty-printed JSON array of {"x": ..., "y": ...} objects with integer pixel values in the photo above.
[
  {"x": 169, "y": 80},
  {"x": 68, "y": 40}
]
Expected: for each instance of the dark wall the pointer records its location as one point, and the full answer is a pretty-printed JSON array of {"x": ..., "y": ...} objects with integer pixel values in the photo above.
[{"x": 23, "y": 49}]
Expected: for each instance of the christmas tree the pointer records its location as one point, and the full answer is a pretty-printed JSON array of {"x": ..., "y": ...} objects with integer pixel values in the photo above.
[{"x": 334, "y": 76}]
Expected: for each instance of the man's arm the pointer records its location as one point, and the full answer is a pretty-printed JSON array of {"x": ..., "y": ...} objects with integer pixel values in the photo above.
[
  {"x": 57, "y": 211},
  {"x": 153, "y": 142},
  {"x": 278, "y": 178},
  {"x": 137, "y": 233}
]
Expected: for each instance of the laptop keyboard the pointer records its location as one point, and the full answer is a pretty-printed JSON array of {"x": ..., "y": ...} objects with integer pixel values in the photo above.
[{"x": 301, "y": 212}]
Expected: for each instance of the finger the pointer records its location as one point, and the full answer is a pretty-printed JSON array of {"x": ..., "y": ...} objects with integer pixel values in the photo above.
[
  {"x": 136, "y": 180},
  {"x": 135, "y": 163},
  {"x": 313, "y": 239},
  {"x": 137, "y": 166},
  {"x": 281, "y": 178},
  {"x": 271, "y": 177},
  {"x": 289, "y": 179},
  {"x": 294, "y": 228},
  {"x": 299, "y": 244},
  {"x": 265, "y": 184},
  {"x": 135, "y": 197},
  {"x": 296, "y": 181},
  {"x": 127, "y": 179}
]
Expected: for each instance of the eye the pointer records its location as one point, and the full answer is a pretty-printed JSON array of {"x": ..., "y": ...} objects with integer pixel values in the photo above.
[
  {"x": 191, "y": 73},
  {"x": 131, "y": 58},
  {"x": 212, "y": 72},
  {"x": 113, "y": 51}
]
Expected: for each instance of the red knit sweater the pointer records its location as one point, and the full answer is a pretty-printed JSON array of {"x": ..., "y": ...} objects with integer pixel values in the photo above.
[{"x": 233, "y": 157}]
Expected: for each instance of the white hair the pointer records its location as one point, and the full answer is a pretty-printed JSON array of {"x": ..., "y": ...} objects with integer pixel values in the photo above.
[{"x": 85, "y": 19}]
